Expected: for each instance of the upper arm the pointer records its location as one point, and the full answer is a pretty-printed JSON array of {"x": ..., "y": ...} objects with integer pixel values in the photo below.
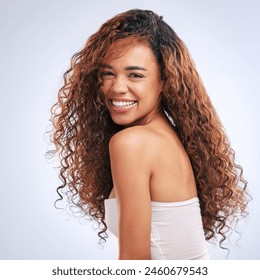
[{"x": 131, "y": 173}]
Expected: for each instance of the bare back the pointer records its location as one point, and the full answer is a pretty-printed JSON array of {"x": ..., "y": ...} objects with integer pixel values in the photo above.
[{"x": 171, "y": 177}]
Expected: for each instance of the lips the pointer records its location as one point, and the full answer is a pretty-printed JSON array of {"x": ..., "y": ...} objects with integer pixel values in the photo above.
[
  {"x": 123, "y": 104},
  {"x": 120, "y": 105}
]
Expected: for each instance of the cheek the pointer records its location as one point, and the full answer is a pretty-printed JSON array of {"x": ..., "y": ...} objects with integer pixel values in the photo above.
[
  {"x": 103, "y": 91},
  {"x": 152, "y": 91},
  {"x": 105, "y": 88}
]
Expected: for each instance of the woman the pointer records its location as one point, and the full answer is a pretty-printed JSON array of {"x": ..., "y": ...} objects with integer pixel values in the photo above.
[{"x": 142, "y": 149}]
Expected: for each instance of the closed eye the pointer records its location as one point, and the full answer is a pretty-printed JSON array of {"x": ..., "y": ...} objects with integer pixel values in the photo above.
[
  {"x": 106, "y": 74},
  {"x": 135, "y": 75}
]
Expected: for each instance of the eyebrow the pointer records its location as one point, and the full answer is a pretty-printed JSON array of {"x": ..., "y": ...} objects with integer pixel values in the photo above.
[
  {"x": 126, "y": 68},
  {"x": 135, "y": 68}
]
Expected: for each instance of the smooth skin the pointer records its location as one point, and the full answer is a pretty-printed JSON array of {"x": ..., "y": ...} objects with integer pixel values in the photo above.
[{"x": 148, "y": 161}]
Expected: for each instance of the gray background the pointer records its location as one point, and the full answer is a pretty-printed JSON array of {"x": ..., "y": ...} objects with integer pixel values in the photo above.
[{"x": 38, "y": 39}]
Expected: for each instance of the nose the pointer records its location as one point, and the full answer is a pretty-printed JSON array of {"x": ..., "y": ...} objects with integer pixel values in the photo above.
[{"x": 119, "y": 85}]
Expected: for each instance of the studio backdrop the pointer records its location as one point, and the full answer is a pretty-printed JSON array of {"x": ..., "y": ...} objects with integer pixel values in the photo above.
[{"x": 38, "y": 39}]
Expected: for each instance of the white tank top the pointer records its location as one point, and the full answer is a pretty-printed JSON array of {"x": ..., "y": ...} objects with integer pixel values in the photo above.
[{"x": 176, "y": 229}]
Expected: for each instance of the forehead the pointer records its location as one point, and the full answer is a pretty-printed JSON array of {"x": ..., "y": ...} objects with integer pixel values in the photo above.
[{"x": 129, "y": 48}]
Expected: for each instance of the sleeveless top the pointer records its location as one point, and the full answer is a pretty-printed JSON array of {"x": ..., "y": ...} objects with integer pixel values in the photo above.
[{"x": 176, "y": 229}]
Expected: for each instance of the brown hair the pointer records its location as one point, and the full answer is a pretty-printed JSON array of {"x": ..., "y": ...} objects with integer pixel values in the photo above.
[{"x": 82, "y": 126}]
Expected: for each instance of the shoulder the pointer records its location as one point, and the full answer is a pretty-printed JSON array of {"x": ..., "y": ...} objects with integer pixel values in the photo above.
[
  {"x": 133, "y": 139},
  {"x": 134, "y": 146}
]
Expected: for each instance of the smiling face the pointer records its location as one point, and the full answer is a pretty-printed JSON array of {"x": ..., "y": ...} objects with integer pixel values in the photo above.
[{"x": 131, "y": 81}]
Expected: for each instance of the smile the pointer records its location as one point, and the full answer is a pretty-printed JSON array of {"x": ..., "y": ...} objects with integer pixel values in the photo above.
[{"x": 123, "y": 104}]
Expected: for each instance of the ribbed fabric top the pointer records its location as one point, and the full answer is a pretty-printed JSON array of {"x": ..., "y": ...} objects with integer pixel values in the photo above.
[{"x": 176, "y": 229}]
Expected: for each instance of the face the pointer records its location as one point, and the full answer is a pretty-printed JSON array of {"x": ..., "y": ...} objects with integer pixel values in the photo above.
[{"x": 131, "y": 83}]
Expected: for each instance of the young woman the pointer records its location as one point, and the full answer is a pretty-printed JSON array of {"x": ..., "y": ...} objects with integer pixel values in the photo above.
[{"x": 142, "y": 149}]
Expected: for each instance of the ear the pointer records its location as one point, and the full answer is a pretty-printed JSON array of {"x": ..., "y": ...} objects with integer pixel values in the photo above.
[{"x": 161, "y": 87}]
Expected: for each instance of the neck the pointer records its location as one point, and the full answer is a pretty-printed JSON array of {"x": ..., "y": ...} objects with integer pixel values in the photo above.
[{"x": 150, "y": 117}]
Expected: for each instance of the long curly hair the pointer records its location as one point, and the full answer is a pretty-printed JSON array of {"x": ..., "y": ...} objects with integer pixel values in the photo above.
[{"x": 82, "y": 126}]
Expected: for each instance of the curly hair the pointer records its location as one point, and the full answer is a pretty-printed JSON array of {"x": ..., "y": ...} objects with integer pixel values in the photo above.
[{"x": 82, "y": 126}]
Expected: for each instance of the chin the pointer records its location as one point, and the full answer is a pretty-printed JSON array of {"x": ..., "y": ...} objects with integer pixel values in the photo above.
[{"x": 122, "y": 122}]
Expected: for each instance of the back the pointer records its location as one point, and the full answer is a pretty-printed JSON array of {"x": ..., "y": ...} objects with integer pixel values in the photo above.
[
  {"x": 148, "y": 163},
  {"x": 171, "y": 177}
]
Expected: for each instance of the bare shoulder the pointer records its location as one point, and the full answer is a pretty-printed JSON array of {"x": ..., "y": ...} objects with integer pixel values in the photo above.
[{"x": 133, "y": 139}]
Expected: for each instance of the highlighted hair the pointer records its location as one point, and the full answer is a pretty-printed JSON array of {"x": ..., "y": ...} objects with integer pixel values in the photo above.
[{"x": 82, "y": 126}]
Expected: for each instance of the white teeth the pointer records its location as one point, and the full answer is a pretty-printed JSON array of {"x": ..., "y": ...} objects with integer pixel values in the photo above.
[{"x": 124, "y": 104}]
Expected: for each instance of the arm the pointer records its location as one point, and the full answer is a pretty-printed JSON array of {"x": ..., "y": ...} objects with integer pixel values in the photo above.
[{"x": 131, "y": 174}]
